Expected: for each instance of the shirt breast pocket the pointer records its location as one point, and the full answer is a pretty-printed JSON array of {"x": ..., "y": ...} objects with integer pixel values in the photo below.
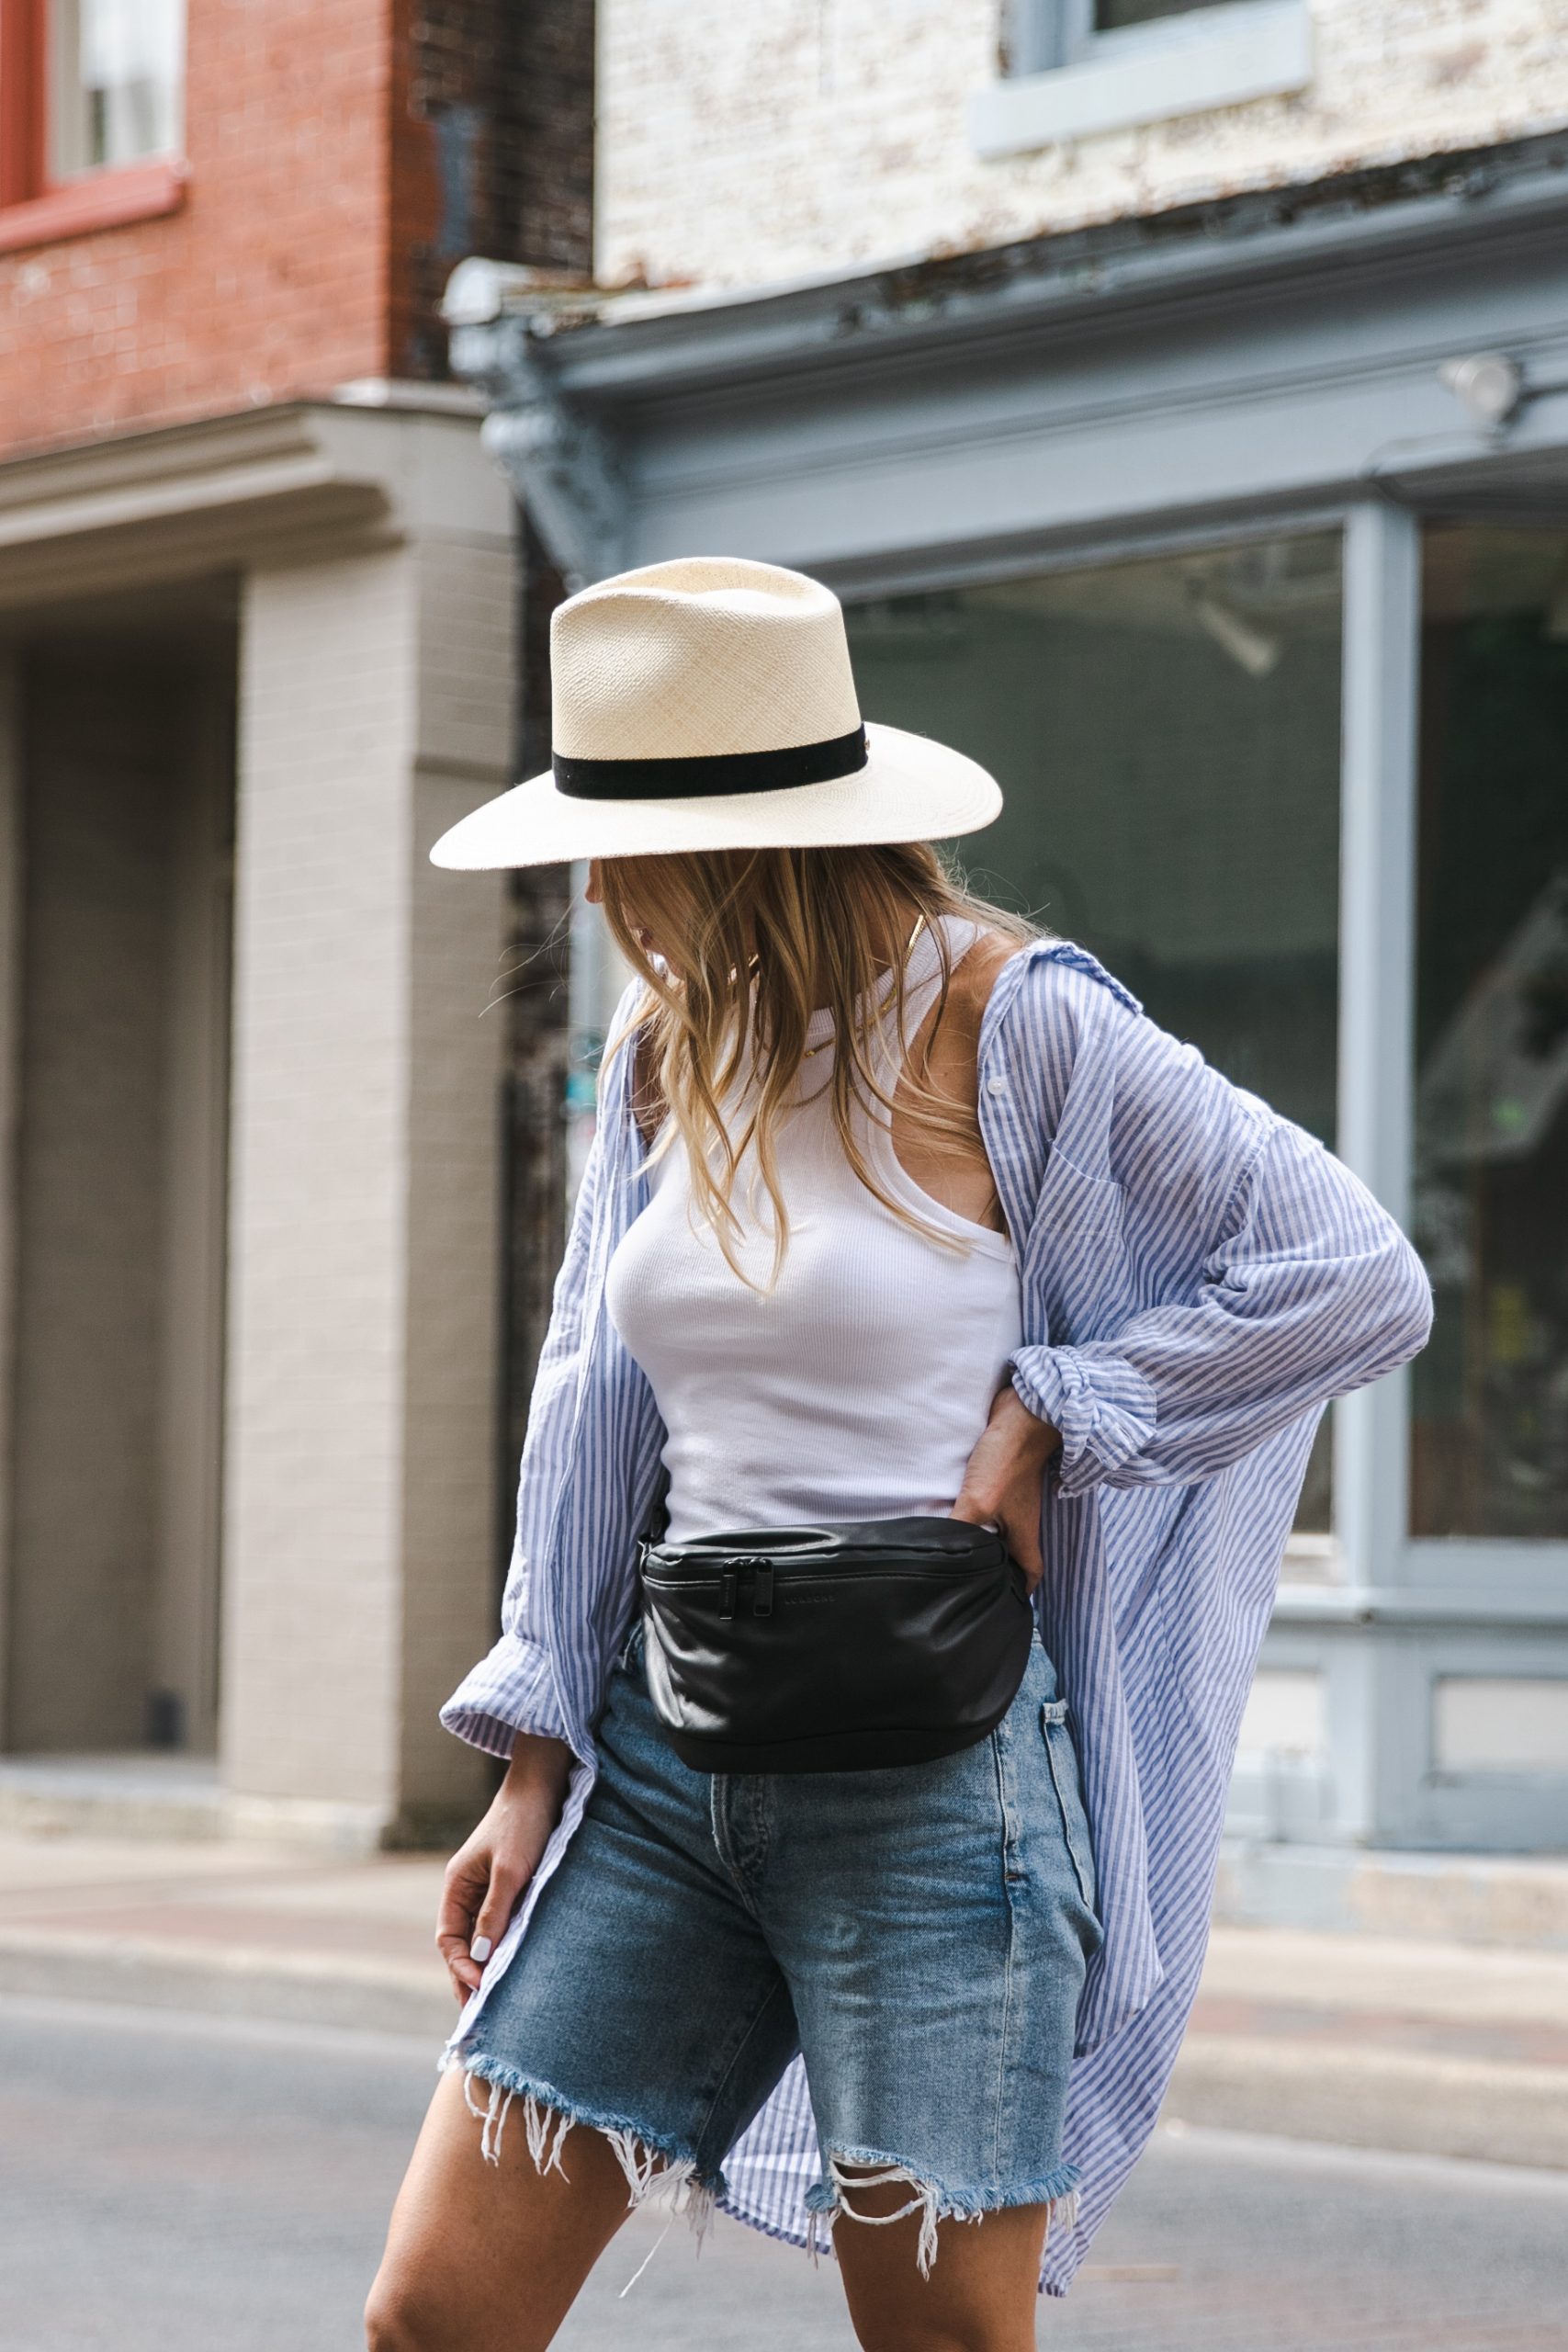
[{"x": 1076, "y": 1257}]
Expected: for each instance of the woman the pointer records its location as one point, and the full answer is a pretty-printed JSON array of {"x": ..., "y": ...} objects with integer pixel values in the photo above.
[{"x": 894, "y": 1212}]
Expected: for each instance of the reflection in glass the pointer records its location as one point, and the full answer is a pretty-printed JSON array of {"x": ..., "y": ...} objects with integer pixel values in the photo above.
[
  {"x": 1491, "y": 1392},
  {"x": 1167, "y": 735},
  {"x": 117, "y": 68},
  {"x": 1110, "y": 14}
]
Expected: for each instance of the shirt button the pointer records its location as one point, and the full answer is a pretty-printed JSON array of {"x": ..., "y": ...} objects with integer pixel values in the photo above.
[{"x": 995, "y": 1086}]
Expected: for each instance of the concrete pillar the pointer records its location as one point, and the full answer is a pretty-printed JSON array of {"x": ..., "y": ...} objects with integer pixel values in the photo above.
[{"x": 361, "y": 1570}]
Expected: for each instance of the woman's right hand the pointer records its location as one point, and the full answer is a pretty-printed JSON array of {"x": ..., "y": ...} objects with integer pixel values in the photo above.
[{"x": 486, "y": 1877}]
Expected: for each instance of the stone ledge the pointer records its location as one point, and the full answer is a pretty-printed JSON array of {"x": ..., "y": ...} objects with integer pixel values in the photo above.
[
  {"x": 155, "y": 1797},
  {"x": 1216, "y": 56},
  {"x": 114, "y": 1796},
  {"x": 1517, "y": 1901},
  {"x": 1423, "y": 2102}
]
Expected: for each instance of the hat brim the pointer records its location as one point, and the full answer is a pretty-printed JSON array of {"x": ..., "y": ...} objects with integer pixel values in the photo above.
[{"x": 910, "y": 789}]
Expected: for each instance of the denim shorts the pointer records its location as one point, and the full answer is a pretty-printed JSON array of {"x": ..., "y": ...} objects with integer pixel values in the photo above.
[{"x": 918, "y": 1933}]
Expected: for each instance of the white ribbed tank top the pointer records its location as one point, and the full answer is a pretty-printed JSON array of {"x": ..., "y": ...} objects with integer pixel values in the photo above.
[{"x": 856, "y": 1387}]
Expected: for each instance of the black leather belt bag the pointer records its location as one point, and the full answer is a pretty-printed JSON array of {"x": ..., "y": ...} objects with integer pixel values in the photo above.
[{"x": 833, "y": 1648}]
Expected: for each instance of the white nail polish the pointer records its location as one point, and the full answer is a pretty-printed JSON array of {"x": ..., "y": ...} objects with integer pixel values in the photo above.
[{"x": 480, "y": 1949}]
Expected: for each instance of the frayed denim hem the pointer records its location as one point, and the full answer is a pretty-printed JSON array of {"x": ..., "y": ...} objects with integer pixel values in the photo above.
[
  {"x": 653, "y": 2166},
  {"x": 826, "y": 2202}
]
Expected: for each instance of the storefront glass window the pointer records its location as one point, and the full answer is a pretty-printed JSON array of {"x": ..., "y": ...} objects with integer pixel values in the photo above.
[
  {"x": 1490, "y": 1452},
  {"x": 1167, "y": 735}
]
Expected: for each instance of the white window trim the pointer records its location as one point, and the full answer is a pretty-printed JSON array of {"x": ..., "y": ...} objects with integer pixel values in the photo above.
[{"x": 1211, "y": 57}]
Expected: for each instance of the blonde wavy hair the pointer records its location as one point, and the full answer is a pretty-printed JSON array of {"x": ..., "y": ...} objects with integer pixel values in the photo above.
[{"x": 750, "y": 943}]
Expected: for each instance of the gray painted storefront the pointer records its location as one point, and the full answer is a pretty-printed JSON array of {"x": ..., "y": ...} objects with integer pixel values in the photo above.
[{"x": 1274, "y": 360}]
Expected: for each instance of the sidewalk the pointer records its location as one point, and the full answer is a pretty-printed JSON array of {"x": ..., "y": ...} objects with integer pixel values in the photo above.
[
  {"x": 225, "y": 1926},
  {"x": 1441, "y": 2047}
]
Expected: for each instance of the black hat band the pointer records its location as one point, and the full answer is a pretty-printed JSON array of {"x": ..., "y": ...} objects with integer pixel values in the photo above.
[{"x": 706, "y": 779}]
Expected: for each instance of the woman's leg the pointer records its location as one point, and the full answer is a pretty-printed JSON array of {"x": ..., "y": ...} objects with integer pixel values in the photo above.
[
  {"x": 934, "y": 1924},
  {"x": 983, "y": 2289},
  {"x": 643, "y": 1999},
  {"x": 489, "y": 2256}
]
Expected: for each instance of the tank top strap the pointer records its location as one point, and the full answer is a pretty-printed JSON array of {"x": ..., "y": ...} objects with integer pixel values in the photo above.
[
  {"x": 922, "y": 968},
  {"x": 923, "y": 980}
]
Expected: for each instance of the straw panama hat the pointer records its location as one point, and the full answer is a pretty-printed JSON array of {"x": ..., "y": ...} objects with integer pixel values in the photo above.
[{"x": 706, "y": 704}]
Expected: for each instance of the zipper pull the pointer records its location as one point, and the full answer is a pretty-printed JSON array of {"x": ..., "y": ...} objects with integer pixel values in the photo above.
[
  {"x": 728, "y": 1588},
  {"x": 762, "y": 1590}
]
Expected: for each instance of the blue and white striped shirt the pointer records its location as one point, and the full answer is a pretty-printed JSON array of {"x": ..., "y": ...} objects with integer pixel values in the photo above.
[{"x": 1199, "y": 1276}]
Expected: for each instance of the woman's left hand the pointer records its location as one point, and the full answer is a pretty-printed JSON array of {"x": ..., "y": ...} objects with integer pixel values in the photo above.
[{"x": 1006, "y": 1476}]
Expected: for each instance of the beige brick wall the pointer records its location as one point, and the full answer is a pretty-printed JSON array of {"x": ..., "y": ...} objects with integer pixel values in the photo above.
[
  {"x": 375, "y": 702},
  {"x": 739, "y": 146}
]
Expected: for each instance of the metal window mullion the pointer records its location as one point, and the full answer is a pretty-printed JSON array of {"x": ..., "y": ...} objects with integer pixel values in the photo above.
[
  {"x": 1045, "y": 34},
  {"x": 1377, "y": 982},
  {"x": 1078, "y": 28}
]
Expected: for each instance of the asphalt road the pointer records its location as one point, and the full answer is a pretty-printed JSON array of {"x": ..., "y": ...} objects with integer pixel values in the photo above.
[{"x": 169, "y": 2185}]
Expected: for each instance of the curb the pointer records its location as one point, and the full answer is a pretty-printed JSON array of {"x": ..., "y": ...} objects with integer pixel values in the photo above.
[
  {"x": 145, "y": 1973},
  {"x": 1515, "y": 1901},
  {"x": 1416, "y": 2102}
]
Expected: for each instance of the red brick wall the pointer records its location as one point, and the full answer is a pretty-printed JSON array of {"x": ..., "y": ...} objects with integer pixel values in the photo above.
[
  {"x": 270, "y": 281},
  {"x": 343, "y": 154},
  {"x": 495, "y": 133}
]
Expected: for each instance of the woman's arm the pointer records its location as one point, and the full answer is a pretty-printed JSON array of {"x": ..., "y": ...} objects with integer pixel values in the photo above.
[
  {"x": 487, "y": 1875},
  {"x": 512, "y": 1689},
  {"x": 1004, "y": 1478},
  {"x": 508, "y": 1705},
  {"x": 1290, "y": 1284}
]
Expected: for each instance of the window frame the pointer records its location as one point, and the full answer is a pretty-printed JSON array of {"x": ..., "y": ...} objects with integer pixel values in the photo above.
[
  {"x": 1371, "y": 1558},
  {"x": 1319, "y": 1567},
  {"x": 1045, "y": 35},
  {"x": 1064, "y": 80},
  {"x": 36, "y": 208}
]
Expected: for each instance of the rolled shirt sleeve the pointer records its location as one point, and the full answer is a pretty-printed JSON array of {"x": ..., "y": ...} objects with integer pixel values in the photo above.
[
  {"x": 1305, "y": 1290},
  {"x": 1101, "y": 1407},
  {"x": 510, "y": 1690}
]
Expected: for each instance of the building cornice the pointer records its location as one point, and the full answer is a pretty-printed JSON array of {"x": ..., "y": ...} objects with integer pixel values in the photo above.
[
  {"x": 1355, "y": 227},
  {"x": 579, "y": 380},
  {"x": 264, "y": 484}
]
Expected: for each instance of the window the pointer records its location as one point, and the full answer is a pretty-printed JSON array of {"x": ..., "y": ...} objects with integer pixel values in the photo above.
[
  {"x": 1167, "y": 732},
  {"x": 1110, "y": 16},
  {"x": 1490, "y": 1394},
  {"x": 1046, "y": 33},
  {"x": 115, "y": 71},
  {"x": 91, "y": 113},
  {"x": 1074, "y": 67}
]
